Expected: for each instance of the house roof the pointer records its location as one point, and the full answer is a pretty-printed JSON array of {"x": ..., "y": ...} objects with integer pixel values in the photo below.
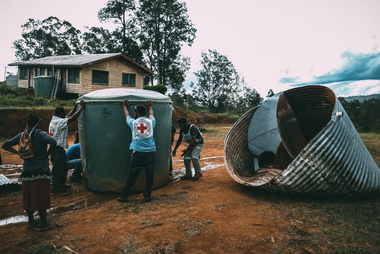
[{"x": 77, "y": 60}]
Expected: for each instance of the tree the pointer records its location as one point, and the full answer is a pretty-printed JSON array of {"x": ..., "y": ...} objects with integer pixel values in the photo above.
[
  {"x": 218, "y": 83},
  {"x": 248, "y": 99},
  {"x": 161, "y": 27},
  {"x": 48, "y": 37},
  {"x": 101, "y": 40},
  {"x": 270, "y": 93},
  {"x": 117, "y": 10},
  {"x": 176, "y": 73}
]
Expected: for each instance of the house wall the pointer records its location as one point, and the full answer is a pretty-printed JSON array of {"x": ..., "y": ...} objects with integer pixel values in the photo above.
[
  {"x": 74, "y": 87},
  {"x": 115, "y": 68},
  {"x": 24, "y": 83}
]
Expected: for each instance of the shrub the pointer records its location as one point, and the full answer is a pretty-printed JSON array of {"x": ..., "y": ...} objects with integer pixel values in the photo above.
[
  {"x": 5, "y": 89},
  {"x": 158, "y": 88}
]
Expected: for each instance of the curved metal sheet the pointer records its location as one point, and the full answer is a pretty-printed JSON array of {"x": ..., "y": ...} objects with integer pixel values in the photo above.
[{"x": 334, "y": 160}]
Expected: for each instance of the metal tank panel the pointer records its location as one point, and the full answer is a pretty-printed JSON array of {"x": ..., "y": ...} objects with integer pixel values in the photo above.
[
  {"x": 105, "y": 138},
  {"x": 333, "y": 161}
]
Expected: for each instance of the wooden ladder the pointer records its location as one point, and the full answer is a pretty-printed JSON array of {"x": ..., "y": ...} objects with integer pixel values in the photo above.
[{"x": 56, "y": 84}]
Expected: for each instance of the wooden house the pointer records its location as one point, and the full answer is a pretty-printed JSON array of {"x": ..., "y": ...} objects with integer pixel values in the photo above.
[{"x": 80, "y": 74}]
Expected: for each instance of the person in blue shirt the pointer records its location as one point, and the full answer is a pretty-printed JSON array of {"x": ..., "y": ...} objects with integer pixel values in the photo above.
[
  {"x": 143, "y": 149},
  {"x": 74, "y": 161}
]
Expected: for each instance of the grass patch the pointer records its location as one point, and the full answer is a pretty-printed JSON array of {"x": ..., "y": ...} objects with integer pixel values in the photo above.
[
  {"x": 215, "y": 132},
  {"x": 372, "y": 142},
  {"x": 344, "y": 225}
]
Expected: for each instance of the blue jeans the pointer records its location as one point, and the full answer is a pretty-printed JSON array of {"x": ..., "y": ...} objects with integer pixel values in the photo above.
[
  {"x": 77, "y": 165},
  {"x": 138, "y": 161}
]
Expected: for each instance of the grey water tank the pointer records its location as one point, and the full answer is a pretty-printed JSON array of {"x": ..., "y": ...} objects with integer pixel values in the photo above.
[
  {"x": 43, "y": 85},
  {"x": 105, "y": 138}
]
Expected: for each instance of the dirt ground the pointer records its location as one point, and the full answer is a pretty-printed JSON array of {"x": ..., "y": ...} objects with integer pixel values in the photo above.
[{"x": 212, "y": 215}]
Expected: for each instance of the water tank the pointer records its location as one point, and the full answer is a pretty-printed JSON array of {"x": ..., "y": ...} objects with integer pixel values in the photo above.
[
  {"x": 105, "y": 138},
  {"x": 43, "y": 85},
  {"x": 12, "y": 81}
]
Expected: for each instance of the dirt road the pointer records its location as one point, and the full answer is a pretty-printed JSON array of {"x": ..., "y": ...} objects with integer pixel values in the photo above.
[{"x": 212, "y": 215}]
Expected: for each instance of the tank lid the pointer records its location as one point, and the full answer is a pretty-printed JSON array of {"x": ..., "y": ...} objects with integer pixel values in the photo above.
[{"x": 119, "y": 94}]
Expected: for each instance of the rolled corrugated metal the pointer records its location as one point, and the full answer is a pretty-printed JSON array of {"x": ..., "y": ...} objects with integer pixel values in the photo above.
[{"x": 333, "y": 161}]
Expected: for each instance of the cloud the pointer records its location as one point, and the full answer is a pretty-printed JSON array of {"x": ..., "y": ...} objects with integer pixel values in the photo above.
[
  {"x": 356, "y": 67},
  {"x": 288, "y": 80},
  {"x": 359, "y": 75}
]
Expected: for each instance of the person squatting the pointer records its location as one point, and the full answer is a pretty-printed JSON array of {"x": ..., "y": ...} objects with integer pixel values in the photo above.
[{"x": 190, "y": 134}]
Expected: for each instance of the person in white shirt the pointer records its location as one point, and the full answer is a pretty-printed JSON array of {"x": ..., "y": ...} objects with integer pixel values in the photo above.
[{"x": 59, "y": 129}]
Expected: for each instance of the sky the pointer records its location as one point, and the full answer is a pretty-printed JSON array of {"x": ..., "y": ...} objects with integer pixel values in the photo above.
[{"x": 273, "y": 44}]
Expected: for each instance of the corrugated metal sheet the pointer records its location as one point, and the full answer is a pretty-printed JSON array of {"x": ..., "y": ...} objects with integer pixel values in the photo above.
[
  {"x": 334, "y": 161},
  {"x": 7, "y": 181},
  {"x": 4, "y": 180}
]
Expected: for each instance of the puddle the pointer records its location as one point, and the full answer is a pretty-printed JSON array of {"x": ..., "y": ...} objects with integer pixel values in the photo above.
[
  {"x": 78, "y": 205},
  {"x": 179, "y": 172},
  {"x": 13, "y": 220}
]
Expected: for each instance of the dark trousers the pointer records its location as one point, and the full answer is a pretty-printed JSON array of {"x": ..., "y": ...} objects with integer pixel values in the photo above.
[
  {"x": 59, "y": 169},
  {"x": 138, "y": 161}
]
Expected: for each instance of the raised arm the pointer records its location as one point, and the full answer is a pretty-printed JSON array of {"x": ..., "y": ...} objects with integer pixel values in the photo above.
[
  {"x": 150, "y": 106},
  {"x": 126, "y": 103},
  {"x": 72, "y": 116}
]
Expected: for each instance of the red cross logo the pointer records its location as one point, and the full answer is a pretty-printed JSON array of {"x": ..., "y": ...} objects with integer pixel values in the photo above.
[{"x": 142, "y": 128}]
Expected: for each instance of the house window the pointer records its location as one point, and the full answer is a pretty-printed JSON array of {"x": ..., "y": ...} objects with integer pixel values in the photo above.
[
  {"x": 50, "y": 72},
  {"x": 23, "y": 73},
  {"x": 100, "y": 77},
  {"x": 129, "y": 79},
  {"x": 40, "y": 71},
  {"x": 73, "y": 75}
]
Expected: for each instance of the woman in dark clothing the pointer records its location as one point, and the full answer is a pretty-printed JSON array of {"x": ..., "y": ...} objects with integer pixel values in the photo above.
[{"x": 35, "y": 176}]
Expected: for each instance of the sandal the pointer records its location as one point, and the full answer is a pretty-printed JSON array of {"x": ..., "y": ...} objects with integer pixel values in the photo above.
[
  {"x": 50, "y": 226},
  {"x": 34, "y": 224}
]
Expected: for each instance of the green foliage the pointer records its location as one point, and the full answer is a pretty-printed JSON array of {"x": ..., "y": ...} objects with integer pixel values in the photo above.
[
  {"x": 248, "y": 99},
  {"x": 270, "y": 93},
  {"x": 158, "y": 88},
  {"x": 161, "y": 28},
  {"x": 364, "y": 115},
  {"x": 19, "y": 101},
  {"x": 219, "y": 85},
  {"x": 48, "y": 37},
  {"x": 5, "y": 89},
  {"x": 100, "y": 40}
]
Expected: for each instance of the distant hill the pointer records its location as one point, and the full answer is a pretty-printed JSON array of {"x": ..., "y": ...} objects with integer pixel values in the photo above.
[{"x": 361, "y": 98}]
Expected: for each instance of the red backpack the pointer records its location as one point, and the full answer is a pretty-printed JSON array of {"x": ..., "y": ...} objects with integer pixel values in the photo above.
[{"x": 25, "y": 147}]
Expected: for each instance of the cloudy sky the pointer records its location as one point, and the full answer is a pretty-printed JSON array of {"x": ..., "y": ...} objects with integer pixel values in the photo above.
[{"x": 273, "y": 44}]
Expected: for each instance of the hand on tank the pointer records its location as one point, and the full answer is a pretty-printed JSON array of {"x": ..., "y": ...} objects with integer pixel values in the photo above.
[
  {"x": 126, "y": 103},
  {"x": 149, "y": 103}
]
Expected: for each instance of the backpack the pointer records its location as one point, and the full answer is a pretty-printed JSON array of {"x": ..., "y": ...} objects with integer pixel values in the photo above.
[{"x": 25, "y": 146}]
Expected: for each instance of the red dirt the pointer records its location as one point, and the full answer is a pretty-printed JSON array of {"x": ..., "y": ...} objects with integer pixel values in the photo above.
[{"x": 212, "y": 215}]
